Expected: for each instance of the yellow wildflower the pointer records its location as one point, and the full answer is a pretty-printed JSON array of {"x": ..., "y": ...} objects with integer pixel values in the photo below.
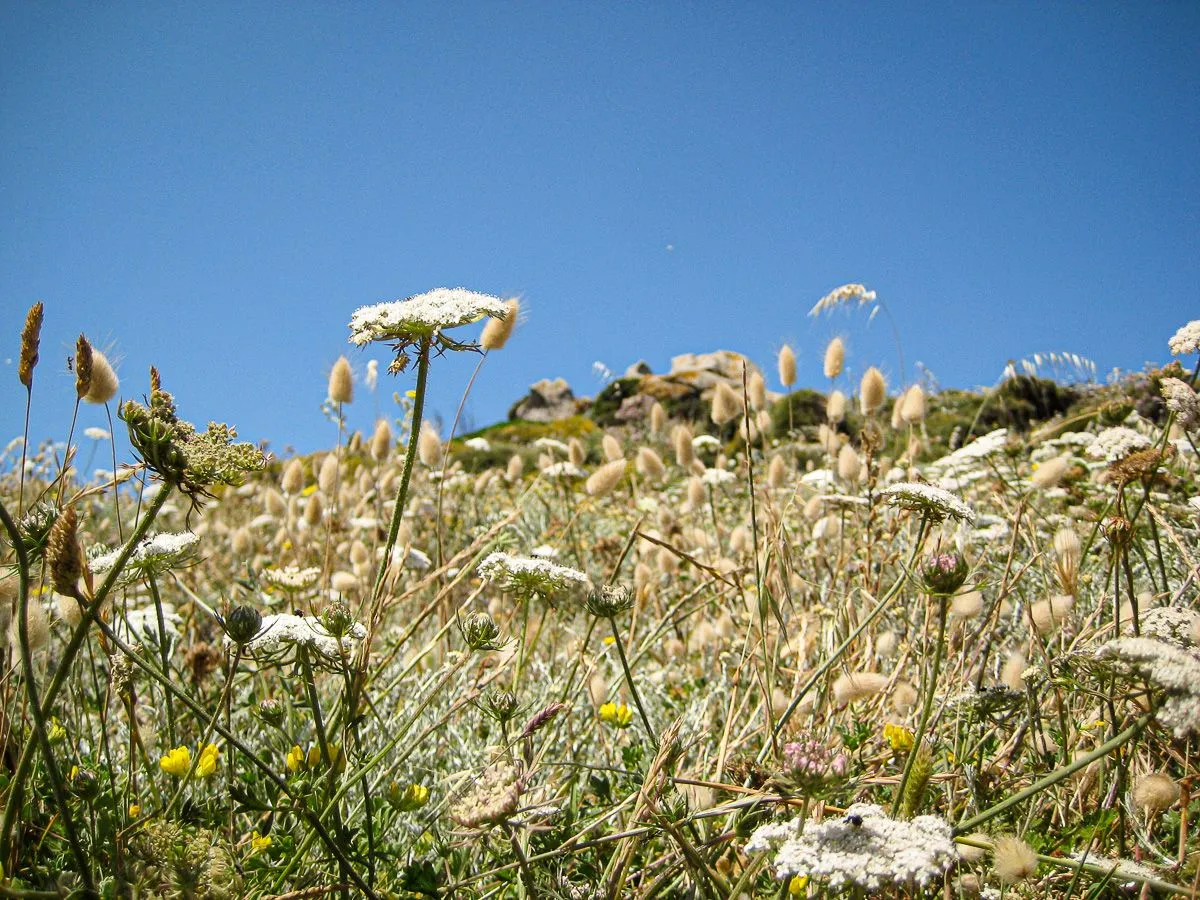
[
  {"x": 617, "y": 716},
  {"x": 209, "y": 757},
  {"x": 609, "y": 640},
  {"x": 259, "y": 842},
  {"x": 295, "y": 759},
  {"x": 797, "y": 885},
  {"x": 56, "y": 731},
  {"x": 176, "y": 762},
  {"x": 135, "y": 810},
  {"x": 898, "y": 737}
]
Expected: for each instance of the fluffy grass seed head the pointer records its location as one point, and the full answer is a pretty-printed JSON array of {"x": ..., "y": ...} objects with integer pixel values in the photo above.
[
  {"x": 612, "y": 448},
  {"x": 1013, "y": 859},
  {"x": 685, "y": 450},
  {"x": 912, "y": 405},
  {"x": 835, "y": 358},
  {"x": 498, "y": 330},
  {"x": 756, "y": 391},
  {"x": 726, "y": 404},
  {"x": 83, "y": 367},
  {"x": 842, "y": 295},
  {"x": 658, "y": 418},
  {"x": 327, "y": 475},
  {"x": 872, "y": 392},
  {"x": 1155, "y": 793},
  {"x": 835, "y": 407},
  {"x": 855, "y": 686},
  {"x": 292, "y": 482},
  {"x": 104, "y": 384},
  {"x": 605, "y": 478},
  {"x": 429, "y": 446},
  {"x": 777, "y": 472},
  {"x": 63, "y": 555},
  {"x": 381, "y": 441},
  {"x": 849, "y": 465},
  {"x": 650, "y": 464},
  {"x": 1050, "y": 473},
  {"x": 341, "y": 382},
  {"x": 787, "y": 366}
]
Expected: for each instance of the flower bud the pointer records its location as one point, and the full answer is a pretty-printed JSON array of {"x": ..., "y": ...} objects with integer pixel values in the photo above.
[
  {"x": 944, "y": 573},
  {"x": 480, "y": 632},
  {"x": 243, "y": 624}
]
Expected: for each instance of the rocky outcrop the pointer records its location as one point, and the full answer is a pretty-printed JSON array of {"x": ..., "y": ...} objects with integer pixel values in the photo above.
[{"x": 547, "y": 401}]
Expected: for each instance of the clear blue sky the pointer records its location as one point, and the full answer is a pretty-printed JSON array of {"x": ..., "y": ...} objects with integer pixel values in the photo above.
[{"x": 214, "y": 187}]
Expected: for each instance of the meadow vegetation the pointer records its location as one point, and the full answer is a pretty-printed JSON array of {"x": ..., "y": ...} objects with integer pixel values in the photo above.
[{"x": 877, "y": 640}]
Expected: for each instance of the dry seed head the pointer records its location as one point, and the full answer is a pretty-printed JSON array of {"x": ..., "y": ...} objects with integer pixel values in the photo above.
[
  {"x": 1010, "y": 673},
  {"x": 104, "y": 382},
  {"x": 756, "y": 390},
  {"x": 273, "y": 503},
  {"x": 658, "y": 418},
  {"x": 1155, "y": 793},
  {"x": 313, "y": 511},
  {"x": 1013, "y": 859},
  {"x": 897, "y": 419},
  {"x": 343, "y": 582},
  {"x": 1051, "y": 472},
  {"x": 241, "y": 542},
  {"x": 293, "y": 477},
  {"x": 913, "y": 405},
  {"x": 63, "y": 554},
  {"x": 787, "y": 366},
  {"x": 1048, "y": 615},
  {"x": 967, "y": 606},
  {"x": 341, "y": 382},
  {"x": 429, "y": 446},
  {"x": 739, "y": 539},
  {"x": 858, "y": 686},
  {"x": 31, "y": 336},
  {"x": 835, "y": 407},
  {"x": 612, "y": 448},
  {"x": 497, "y": 331},
  {"x": 748, "y": 430},
  {"x": 886, "y": 644},
  {"x": 685, "y": 452},
  {"x": 835, "y": 358},
  {"x": 777, "y": 471},
  {"x": 904, "y": 698},
  {"x": 968, "y": 853},
  {"x": 650, "y": 464},
  {"x": 848, "y": 463},
  {"x": 37, "y": 622},
  {"x": 327, "y": 476},
  {"x": 576, "y": 455},
  {"x": 516, "y": 465},
  {"x": 605, "y": 478},
  {"x": 69, "y": 609},
  {"x": 726, "y": 405},
  {"x": 83, "y": 367},
  {"x": 381, "y": 441},
  {"x": 814, "y": 509},
  {"x": 359, "y": 553},
  {"x": 696, "y": 494},
  {"x": 872, "y": 391}
]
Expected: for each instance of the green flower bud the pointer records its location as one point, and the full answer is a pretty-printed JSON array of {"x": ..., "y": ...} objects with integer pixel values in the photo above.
[
  {"x": 480, "y": 632},
  {"x": 944, "y": 573},
  {"x": 243, "y": 624},
  {"x": 609, "y": 601}
]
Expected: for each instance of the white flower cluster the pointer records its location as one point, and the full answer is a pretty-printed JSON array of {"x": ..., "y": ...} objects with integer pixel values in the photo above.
[
  {"x": 142, "y": 624},
  {"x": 528, "y": 577},
  {"x": 961, "y": 465},
  {"x": 1167, "y": 666},
  {"x": 423, "y": 315},
  {"x": 284, "y": 628},
  {"x": 1174, "y": 625},
  {"x": 714, "y": 477},
  {"x": 1186, "y": 340},
  {"x": 563, "y": 470},
  {"x": 933, "y": 502},
  {"x": 291, "y": 578},
  {"x": 1181, "y": 400},
  {"x": 865, "y": 848},
  {"x": 843, "y": 294},
  {"x": 1114, "y": 444},
  {"x": 156, "y": 553}
]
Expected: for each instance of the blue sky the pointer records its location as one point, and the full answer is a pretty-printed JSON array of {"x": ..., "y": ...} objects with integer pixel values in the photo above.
[{"x": 214, "y": 188}]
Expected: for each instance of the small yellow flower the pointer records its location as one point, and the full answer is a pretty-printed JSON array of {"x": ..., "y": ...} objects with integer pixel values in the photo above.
[
  {"x": 259, "y": 842},
  {"x": 56, "y": 731},
  {"x": 295, "y": 759},
  {"x": 309, "y": 491},
  {"x": 411, "y": 395},
  {"x": 209, "y": 757},
  {"x": 617, "y": 716},
  {"x": 176, "y": 762},
  {"x": 609, "y": 640},
  {"x": 135, "y": 810},
  {"x": 797, "y": 885},
  {"x": 412, "y": 797},
  {"x": 898, "y": 737}
]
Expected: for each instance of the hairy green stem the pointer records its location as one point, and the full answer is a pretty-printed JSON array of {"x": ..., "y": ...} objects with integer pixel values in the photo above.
[
  {"x": 629, "y": 680},
  {"x": 927, "y": 708}
]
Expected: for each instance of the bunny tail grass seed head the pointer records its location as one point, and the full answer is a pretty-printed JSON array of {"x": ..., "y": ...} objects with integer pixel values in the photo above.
[
  {"x": 498, "y": 330},
  {"x": 63, "y": 555},
  {"x": 31, "y": 337},
  {"x": 912, "y": 407},
  {"x": 341, "y": 382},
  {"x": 104, "y": 383},
  {"x": 872, "y": 392},
  {"x": 858, "y": 686},
  {"x": 605, "y": 478},
  {"x": 381, "y": 441},
  {"x": 1155, "y": 793},
  {"x": 777, "y": 471},
  {"x": 658, "y": 418},
  {"x": 685, "y": 450},
  {"x": 650, "y": 464},
  {"x": 1050, "y": 473},
  {"x": 787, "y": 366},
  {"x": 756, "y": 390},
  {"x": 726, "y": 405},
  {"x": 1013, "y": 859},
  {"x": 83, "y": 367},
  {"x": 612, "y": 448},
  {"x": 327, "y": 476},
  {"x": 576, "y": 454},
  {"x": 292, "y": 482},
  {"x": 429, "y": 446},
  {"x": 835, "y": 407},
  {"x": 835, "y": 358},
  {"x": 848, "y": 463}
]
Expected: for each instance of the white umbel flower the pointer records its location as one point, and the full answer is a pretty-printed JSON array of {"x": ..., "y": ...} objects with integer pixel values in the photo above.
[
  {"x": 1114, "y": 444},
  {"x": 865, "y": 848},
  {"x": 155, "y": 555},
  {"x": 278, "y": 630},
  {"x": 1186, "y": 340},
  {"x": 934, "y": 502},
  {"x": 422, "y": 316},
  {"x": 528, "y": 577},
  {"x": 1173, "y": 669}
]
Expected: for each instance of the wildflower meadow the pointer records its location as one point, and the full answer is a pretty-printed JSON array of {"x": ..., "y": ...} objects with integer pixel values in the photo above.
[{"x": 706, "y": 635}]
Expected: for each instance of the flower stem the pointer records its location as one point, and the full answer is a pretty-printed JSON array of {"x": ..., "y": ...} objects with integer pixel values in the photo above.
[
  {"x": 926, "y": 709},
  {"x": 629, "y": 679}
]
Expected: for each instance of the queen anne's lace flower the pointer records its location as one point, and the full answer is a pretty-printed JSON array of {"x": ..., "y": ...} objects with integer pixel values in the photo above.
[
  {"x": 1182, "y": 401},
  {"x": 155, "y": 555},
  {"x": 1173, "y": 669},
  {"x": 933, "y": 502},
  {"x": 422, "y": 316},
  {"x": 715, "y": 477},
  {"x": 1186, "y": 340},
  {"x": 291, "y": 578},
  {"x": 1114, "y": 444},
  {"x": 865, "y": 848},
  {"x": 527, "y": 577},
  {"x": 281, "y": 629}
]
